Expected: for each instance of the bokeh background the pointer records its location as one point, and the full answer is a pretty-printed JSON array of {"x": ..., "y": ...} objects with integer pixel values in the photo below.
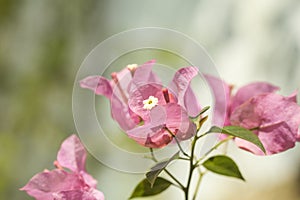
[{"x": 43, "y": 43}]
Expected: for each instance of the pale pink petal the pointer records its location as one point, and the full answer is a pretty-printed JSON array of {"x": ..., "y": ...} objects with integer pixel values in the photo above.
[
  {"x": 44, "y": 184},
  {"x": 277, "y": 137},
  {"x": 144, "y": 75},
  {"x": 191, "y": 103},
  {"x": 72, "y": 154},
  {"x": 276, "y": 117},
  {"x": 124, "y": 79},
  {"x": 293, "y": 97},
  {"x": 221, "y": 92},
  {"x": 93, "y": 194},
  {"x": 121, "y": 113},
  {"x": 98, "y": 84},
  {"x": 180, "y": 86},
  {"x": 248, "y": 146},
  {"x": 251, "y": 90},
  {"x": 247, "y": 116},
  {"x": 88, "y": 179},
  {"x": 142, "y": 93}
]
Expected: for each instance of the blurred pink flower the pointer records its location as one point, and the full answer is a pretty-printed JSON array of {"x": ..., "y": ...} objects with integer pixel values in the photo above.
[
  {"x": 274, "y": 118},
  {"x": 137, "y": 97},
  {"x": 61, "y": 184}
]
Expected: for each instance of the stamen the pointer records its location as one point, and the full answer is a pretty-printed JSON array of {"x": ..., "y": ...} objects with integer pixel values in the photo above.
[
  {"x": 114, "y": 77},
  {"x": 132, "y": 68},
  {"x": 150, "y": 102},
  {"x": 57, "y": 165},
  {"x": 166, "y": 95}
]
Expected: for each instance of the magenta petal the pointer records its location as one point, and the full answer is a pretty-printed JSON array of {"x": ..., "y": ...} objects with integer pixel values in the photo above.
[
  {"x": 91, "y": 194},
  {"x": 72, "y": 154},
  {"x": 142, "y": 93},
  {"x": 153, "y": 134},
  {"x": 251, "y": 90},
  {"x": 149, "y": 135},
  {"x": 277, "y": 117},
  {"x": 179, "y": 122},
  {"x": 66, "y": 195},
  {"x": 180, "y": 86},
  {"x": 42, "y": 185},
  {"x": 221, "y": 93},
  {"x": 98, "y": 84}
]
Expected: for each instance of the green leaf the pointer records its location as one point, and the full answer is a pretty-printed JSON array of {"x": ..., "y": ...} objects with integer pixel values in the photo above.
[
  {"x": 239, "y": 132},
  {"x": 223, "y": 165},
  {"x": 158, "y": 168},
  {"x": 144, "y": 189}
]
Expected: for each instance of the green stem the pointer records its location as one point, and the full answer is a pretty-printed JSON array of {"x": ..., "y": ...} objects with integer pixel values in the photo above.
[
  {"x": 152, "y": 155},
  {"x": 202, "y": 135},
  {"x": 181, "y": 158},
  {"x": 175, "y": 179},
  {"x": 214, "y": 148},
  {"x": 178, "y": 143},
  {"x": 201, "y": 174},
  {"x": 191, "y": 170},
  {"x": 167, "y": 172}
]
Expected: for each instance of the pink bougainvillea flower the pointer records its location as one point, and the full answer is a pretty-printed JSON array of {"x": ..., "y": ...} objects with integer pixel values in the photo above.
[
  {"x": 142, "y": 99},
  {"x": 117, "y": 89},
  {"x": 224, "y": 106},
  {"x": 165, "y": 111},
  {"x": 275, "y": 118},
  {"x": 61, "y": 184}
]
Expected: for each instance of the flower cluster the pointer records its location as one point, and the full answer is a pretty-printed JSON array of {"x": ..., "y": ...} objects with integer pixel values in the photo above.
[
  {"x": 256, "y": 106},
  {"x": 62, "y": 184},
  {"x": 147, "y": 111},
  {"x": 256, "y": 117}
]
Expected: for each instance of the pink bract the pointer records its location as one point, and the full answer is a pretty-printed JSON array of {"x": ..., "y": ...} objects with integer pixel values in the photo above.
[
  {"x": 277, "y": 119},
  {"x": 60, "y": 184},
  {"x": 175, "y": 103},
  {"x": 256, "y": 106}
]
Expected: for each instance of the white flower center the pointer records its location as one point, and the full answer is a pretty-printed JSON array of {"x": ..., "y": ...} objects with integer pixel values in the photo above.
[
  {"x": 150, "y": 102},
  {"x": 132, "y": 67}
]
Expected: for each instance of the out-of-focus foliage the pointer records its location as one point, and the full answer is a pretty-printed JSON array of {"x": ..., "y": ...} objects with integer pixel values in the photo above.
[{"x": 36, "y": 79}]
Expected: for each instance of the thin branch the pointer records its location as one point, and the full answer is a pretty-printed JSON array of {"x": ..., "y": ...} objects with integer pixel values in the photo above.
[
  {"x": 214, "y": 148},
  {"x": 201, "y": 174},
  {"x": 178, "y": 143},
  {"x": 175, "y": 179}
]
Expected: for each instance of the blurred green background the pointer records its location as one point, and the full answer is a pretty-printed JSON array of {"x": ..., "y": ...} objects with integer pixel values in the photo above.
[{"x": 42, "y": 44}]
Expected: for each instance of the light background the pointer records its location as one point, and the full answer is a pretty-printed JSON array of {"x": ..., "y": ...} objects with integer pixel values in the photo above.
[{"x": 42, "y": 44}]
